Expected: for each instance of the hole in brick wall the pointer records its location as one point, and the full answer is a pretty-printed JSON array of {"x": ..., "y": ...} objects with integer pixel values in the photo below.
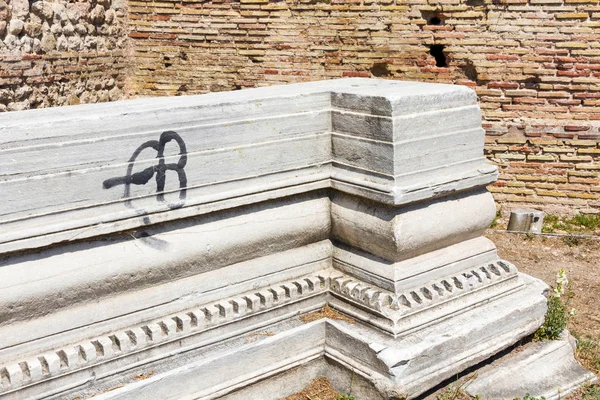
[
  {"x": 166, "y": 61},
  {"x": 437, "y": 51},
  {"x": 380, "y": 69},
  {"x": 433, "y": 17},
  {"x": 470, "y": 71},
  {"x": 181, "y": 90},
  {"x": 183, "y": 55},
  {"x": 475, "y": 3},
  {"x": 532, "y": 82}
]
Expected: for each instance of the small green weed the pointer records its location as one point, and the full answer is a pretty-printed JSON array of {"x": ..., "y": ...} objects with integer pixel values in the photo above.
[
  {"x": 348, "y": 396},
  {"x": 588, "y": 352},
  {"x": 571, "y": 240},
  {"x": 558, "y": 314},
  {"x": 547, "y": 229},
  {"x": 498, "y": 215},
  {"x": 579, "y": 223},
  {"x": 590, "y": 222},
  {"x": 457, "y": 392},
  {"x": 561, "y": 226},
  {"x": 556, "y": 320},
  {"x": 530, "y": 397},
  {"x": 591, "y": 392},
  {"x": 529, "y": 236}
]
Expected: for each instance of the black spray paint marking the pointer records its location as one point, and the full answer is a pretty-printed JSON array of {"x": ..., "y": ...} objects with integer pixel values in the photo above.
[{"x": 159, "y": 170}]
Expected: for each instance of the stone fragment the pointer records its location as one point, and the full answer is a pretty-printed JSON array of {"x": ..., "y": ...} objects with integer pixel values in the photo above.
[
  {"x": 60, "y": 12},
  {"x": 5, "y": 95},
  {"x": 110, "y": 43},
  {"x": 73, "y": 13},
  {"x": 68, "y": 29},
  {"x": 26, "y": 44},
  {"x": 81, "y": 29},
  {"x": 61, "y": 43},
  {"x": 91, "y": 29},
  {"x": 2, "y": 27},
  {"x": 42, "y": 9},
  {"x": 110, "y": 16},
  {"x": 56, "y": 29},
  {"x": 75, "y": 43},
  {"x": 15, "y": 27},
  {"x": 48, "y": 42},
  {"x": 103, "y": 29},
  {"x": 114, "y": 94},
  {"x": 23, "y": 92},
  {"x": 20, "y": 8},
  {"x": 103, "y": 96},
  {"x": 4, "y": 12},
  {"x": 18, "y": 106},
  {"x": 12, "y": 42},
  {"x": 90, "y": 42},
  {"x": 35, "y": 19},
  {"x": 33, "y": 29},
  {"x": 97, "y": 15}
]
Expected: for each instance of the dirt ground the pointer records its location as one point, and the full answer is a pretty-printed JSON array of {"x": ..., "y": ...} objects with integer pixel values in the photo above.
[
  {"x": 542, "y": 257},
  {"x": 318, "y": 389}
]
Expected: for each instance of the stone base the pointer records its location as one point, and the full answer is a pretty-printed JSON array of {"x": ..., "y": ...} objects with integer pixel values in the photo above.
[
  {"x": 542, "y": 369},
  {"x": 280, "y": 358},
  {"x": 364, "y": 195}
]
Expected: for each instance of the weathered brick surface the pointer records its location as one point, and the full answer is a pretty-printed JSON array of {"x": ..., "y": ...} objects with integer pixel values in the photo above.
[{"x": 559, "y": 175}]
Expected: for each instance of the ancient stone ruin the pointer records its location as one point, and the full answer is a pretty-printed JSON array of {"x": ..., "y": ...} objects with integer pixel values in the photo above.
[{"x": 165, "y": 248}]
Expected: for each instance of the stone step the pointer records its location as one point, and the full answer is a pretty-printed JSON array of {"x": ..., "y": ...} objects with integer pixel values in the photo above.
[{"x": 541, "y": 369}]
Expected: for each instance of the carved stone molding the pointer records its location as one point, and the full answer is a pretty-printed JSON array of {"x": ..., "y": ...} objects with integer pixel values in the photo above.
[{"x": 161, "y": 234}]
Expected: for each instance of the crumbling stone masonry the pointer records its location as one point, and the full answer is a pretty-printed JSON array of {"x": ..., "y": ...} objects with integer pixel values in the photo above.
[
  {"x": 535, "y": 65},
  {"x": 61, "y": 52}
]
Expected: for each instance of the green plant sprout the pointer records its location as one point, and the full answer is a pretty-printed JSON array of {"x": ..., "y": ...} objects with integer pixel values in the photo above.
[{"x": 557, "y": 315}]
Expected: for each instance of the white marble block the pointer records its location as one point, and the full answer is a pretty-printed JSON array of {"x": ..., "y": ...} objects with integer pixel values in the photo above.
[{"x": 166, "y": 247}]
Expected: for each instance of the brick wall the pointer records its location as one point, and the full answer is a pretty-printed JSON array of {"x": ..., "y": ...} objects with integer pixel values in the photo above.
[
  {"x": 61, "y": 52},
  {"x": 535, "y": 65}
]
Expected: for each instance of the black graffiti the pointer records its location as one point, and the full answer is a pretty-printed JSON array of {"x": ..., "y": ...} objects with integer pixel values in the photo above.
[{"x": 159, "y": 170}]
